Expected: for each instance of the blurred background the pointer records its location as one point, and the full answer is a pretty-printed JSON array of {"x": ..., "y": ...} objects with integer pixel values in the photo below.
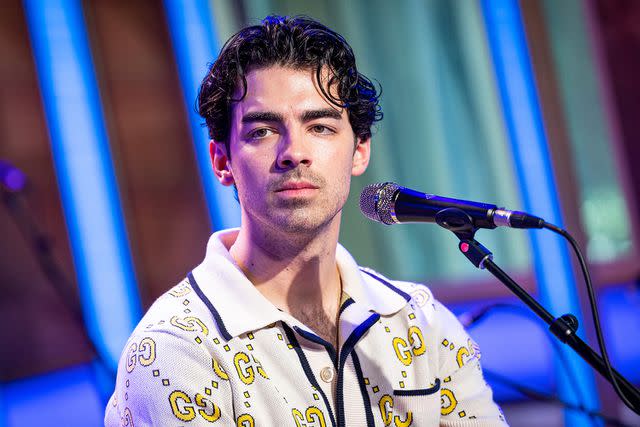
[{"x": 108, "y": 198}]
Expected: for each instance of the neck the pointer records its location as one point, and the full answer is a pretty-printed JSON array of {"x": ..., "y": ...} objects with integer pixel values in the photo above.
[{"x": 292, "y": 270}]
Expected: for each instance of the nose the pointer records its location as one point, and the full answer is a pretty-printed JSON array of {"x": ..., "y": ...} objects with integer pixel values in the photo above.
[{"x": 293, "y": 151}]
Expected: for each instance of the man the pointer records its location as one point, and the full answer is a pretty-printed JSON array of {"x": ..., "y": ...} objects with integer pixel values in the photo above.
[{"x": 279, "y": 326}]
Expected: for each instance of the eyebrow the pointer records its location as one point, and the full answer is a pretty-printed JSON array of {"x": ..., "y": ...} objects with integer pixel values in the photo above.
[
  {"x": 262, "y": 116},
  {"x": 323, "y": 113},
  {"x": 306, "y": 116}
]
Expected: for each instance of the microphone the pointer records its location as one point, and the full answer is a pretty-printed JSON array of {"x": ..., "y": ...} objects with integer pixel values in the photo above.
[{"x": 390, "y": 203}]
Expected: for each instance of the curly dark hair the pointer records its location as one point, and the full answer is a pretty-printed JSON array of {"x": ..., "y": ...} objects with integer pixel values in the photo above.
[{"x": 301, "y": 43}]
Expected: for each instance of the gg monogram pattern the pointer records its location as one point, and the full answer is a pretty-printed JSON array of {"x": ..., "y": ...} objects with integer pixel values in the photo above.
[{"x": 211, "y": 351}]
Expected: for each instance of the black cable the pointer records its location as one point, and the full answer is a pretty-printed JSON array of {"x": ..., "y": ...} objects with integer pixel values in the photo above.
[
  {"x": 594, "y": 312},
  {"x": 550, "y": 398}
]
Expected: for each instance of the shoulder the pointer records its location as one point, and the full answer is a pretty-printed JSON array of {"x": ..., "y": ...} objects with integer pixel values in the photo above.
[
  {"x": 175, "y": 329},
  {"x": 179, "y": 302},
  {"x": 178, "y": 314},
  {"x": 417, "y": 294},
  {"x": 169, "y": 322},
  {"x": 167, "y": 362},
  {"x": 419, "y": 297}
]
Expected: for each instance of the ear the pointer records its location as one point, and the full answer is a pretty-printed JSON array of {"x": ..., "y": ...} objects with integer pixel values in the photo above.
[
  {"x": 361, "y": 156},
  {"x": 220, "y": 163}
]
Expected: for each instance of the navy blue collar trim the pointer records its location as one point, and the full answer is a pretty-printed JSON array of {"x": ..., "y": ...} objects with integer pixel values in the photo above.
[
  {"x": 347, "y": 348},
  {"x": 346, "y": 304},
  {"x": 363, "y": 390},
  {"x": 404, "y": 295},
  {"x": 307, "y": 368},
  {"x": 319, "y": 340},
  {"x": 223, "y": 330}
]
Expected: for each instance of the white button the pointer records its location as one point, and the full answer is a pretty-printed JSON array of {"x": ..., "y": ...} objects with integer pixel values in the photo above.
[{"x": 327, "y": 373}]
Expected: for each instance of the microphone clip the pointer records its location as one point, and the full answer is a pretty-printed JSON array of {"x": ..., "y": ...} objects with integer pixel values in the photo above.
[
  {"x": 457, "y": 221},
  {"x": 461, "y": 224}
]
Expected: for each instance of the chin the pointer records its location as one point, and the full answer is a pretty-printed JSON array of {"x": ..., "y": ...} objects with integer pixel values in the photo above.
[
  {"x": 302, "y": 223},
  {"x": 299, "y": 226}
]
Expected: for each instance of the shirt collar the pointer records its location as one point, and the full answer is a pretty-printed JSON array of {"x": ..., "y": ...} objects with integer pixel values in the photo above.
[
  {"x": 368, "y": 288},
  {"x": 241, "y": 308}
]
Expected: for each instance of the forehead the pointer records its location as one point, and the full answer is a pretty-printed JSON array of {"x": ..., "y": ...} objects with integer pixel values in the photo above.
[{"x": 281, "y": 89}]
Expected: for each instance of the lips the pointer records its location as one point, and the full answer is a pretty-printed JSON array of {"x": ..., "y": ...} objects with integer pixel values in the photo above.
[{"x": 298, "y": 185}]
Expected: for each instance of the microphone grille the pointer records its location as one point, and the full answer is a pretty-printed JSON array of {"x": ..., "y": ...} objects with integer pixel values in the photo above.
[{"x": 376, "y": 202}]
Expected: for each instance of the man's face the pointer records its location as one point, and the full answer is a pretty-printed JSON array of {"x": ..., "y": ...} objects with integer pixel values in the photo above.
[{"x": 292, "y": 152}]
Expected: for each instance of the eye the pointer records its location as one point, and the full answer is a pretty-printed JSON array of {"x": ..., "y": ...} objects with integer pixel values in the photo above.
[
  {"x": 260, "y": 133},
  {"x": 322, "y": 130}
]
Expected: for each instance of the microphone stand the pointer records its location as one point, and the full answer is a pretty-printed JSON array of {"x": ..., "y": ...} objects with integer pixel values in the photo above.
[
  {"x": 563, "y": 327},
  {"x": 41, "y": 246}
]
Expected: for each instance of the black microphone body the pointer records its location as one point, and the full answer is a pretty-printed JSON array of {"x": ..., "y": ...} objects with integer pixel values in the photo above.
[
  {"x": 390, "y": 203},
  {"x": 413, "y": 206}
]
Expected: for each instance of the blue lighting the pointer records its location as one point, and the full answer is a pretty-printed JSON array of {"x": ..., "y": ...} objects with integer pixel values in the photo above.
[
  {"x": 66, "y": 397},
  {"x": 192, "y": 32},
  {"x": 3, "y": 409},
  {"x": 85, "y": 174},
  {"x": 556, "y": 284}
]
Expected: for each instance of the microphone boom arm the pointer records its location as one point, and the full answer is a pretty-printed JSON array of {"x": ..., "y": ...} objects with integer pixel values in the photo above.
[{"x": 564, "y": 327}]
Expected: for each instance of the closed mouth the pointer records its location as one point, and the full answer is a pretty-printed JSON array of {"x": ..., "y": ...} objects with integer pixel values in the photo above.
[{"x": 296, "y": 186}]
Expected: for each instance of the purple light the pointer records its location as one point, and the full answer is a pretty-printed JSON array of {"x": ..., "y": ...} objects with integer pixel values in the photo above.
[{"x": 11, "y": 177}]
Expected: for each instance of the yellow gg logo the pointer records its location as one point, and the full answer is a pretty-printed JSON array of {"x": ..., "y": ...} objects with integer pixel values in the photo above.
[
  {"x": 448, "y": 401},
  {"x": 245, "y": 420},
  {"x": 386, "y": 410},
  {"x": 220, "y": 372},
  {"x": 312, "y": 417},
  {"x": 143, "y": 353},
  {"x": 127, "y": 419},
  {"x": 184, "y": 410},
  {"x": 247, "y": 367},
  {"x": 464, "y": 353},
  {"x": 189, "y": 323},
  {"x": 181, "y": 289},
  {"x": 415, "y": 347}
]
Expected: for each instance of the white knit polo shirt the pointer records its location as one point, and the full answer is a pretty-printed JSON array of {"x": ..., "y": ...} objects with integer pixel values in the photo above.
[{"x": 214, "y": 351}]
